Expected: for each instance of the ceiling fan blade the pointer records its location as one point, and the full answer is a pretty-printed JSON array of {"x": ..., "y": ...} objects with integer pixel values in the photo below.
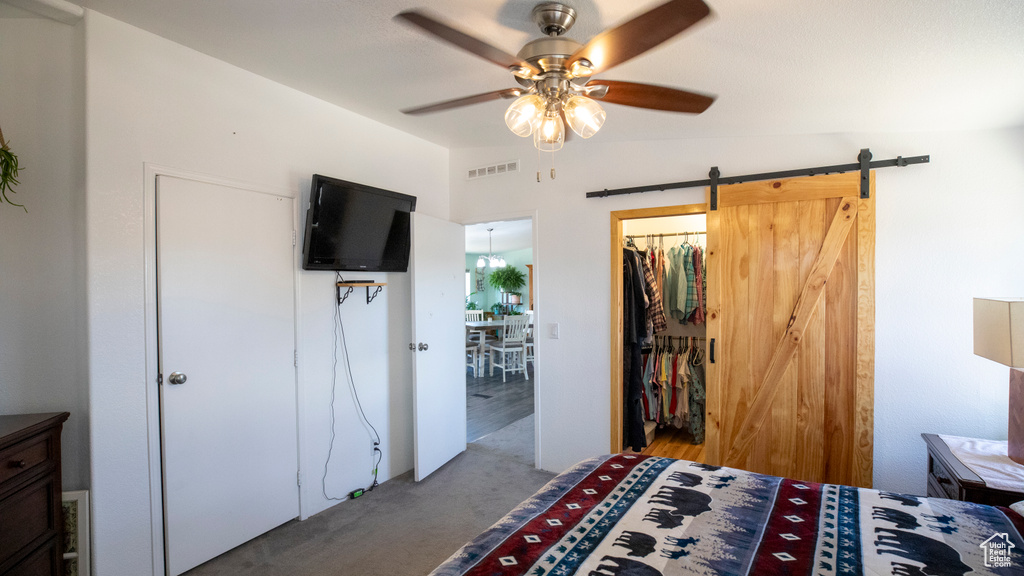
[
  {"x": 617, "y": 45},
  {"x": 653, "y": 97},
  {"x": 476, "y": 99},
  {"x": 462, "y": 40}
]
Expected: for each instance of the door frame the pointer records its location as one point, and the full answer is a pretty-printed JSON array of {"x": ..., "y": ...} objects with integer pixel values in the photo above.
[
  {"x": 617, "y": 217},
  {"x": 151, "y": 341},
  {"x": 534, "y": 217}
]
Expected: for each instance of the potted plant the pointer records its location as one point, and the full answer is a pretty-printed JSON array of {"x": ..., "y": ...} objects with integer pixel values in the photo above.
[
  {"x": 8, "y": 172},
  {"x": 507, "y": 279}
]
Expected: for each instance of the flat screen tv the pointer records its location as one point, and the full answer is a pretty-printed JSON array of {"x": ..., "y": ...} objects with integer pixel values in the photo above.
[{"x": 354, "y": 227}]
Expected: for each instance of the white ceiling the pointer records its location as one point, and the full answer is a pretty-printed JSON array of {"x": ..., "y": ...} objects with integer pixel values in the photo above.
[
  {"x": 507, "y": 236},
  {"x": 778, "y": 67}
]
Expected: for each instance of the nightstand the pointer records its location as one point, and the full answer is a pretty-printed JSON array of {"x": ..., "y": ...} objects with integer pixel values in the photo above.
[{"x": 948, "y": 477}]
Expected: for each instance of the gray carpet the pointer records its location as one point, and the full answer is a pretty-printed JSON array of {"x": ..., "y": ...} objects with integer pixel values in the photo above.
[
  {"x": 514, "y": 442},
  {"x": 402, "y": 528}
]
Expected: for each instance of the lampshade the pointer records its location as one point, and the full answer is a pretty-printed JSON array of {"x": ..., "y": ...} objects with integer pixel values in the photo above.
[
  {"x": 585, "y": 116},
  {"x": 481, "y": 262},
  {"x": 523, "y": 116},
  {"x": 550, "y": 135},
  {"x": 999, "y": 330}
]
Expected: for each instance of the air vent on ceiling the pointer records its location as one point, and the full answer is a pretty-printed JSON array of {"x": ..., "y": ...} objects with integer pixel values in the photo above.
[{"x": 494, "y": 169}]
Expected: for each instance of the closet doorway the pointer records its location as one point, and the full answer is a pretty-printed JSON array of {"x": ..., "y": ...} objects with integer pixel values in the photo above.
[
  {"x": 669, "y": 429},
  {"x": 790, "y": 321}
]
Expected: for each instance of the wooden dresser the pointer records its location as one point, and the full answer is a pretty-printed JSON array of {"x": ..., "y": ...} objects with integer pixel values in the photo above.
[
  {"x": 31, "y": 526},
  {"x": 948, "y": 477}
]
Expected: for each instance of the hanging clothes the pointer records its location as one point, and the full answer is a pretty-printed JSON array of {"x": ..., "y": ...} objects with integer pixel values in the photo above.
[
  {"x": 634, "y": 332},
  {"x": 697, "y": 395},
  {"x": 656, "y": 309},
  {"x": 700, "y": 308}
]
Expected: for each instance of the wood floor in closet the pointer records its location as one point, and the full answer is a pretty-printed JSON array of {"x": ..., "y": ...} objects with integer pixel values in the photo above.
[{"x": 674, "y": 443}]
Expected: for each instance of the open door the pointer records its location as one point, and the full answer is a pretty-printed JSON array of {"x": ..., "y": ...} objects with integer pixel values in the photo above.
[
  {"x": 439, "y": 332},
  {"x": 791, "y": 312}
]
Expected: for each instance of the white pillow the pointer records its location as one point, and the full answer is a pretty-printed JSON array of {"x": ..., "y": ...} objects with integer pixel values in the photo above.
[{"x": 1018, "y": 507}]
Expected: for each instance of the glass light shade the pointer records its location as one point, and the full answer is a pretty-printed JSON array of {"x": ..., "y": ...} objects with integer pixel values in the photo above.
[
  {"x": 481, "y": 262},
  {"x": 550, "y": 135},
  {"x": 523, "y": 116},
  {"x": 585, "y": 116}
]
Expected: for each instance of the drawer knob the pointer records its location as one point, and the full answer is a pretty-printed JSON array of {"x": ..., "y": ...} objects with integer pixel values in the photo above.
[{"x": 18, "y": 463}]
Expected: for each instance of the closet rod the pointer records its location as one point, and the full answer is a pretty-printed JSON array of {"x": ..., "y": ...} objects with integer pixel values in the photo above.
[
  {"x": 715, "y": 180},
  {"x": 663, "y": 235}
]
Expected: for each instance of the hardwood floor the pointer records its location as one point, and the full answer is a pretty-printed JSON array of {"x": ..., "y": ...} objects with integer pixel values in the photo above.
[
  {"x": 675, "y": 443},
  {"x": 492, "y": 404}
]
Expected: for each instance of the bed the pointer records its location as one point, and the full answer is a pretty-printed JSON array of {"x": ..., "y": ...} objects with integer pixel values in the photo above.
[{"x": 634, "y": 515}]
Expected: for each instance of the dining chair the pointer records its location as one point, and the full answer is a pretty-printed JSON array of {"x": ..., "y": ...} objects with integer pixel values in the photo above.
[
  {"x": 472, "y": 358},
  {"x": 509, "y": 352},
  {"x": 478, "y": 337}
]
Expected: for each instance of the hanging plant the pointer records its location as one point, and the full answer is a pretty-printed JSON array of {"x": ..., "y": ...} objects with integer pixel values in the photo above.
[
  {"x": 507, "y": 279},
  {"x": 8, "y": 173}
]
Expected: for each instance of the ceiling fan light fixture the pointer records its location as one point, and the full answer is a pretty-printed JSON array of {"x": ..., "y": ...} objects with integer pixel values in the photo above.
[
  {"x": 550, "y": 135},
  {"x": 523, "y": 116},
  {"x": 585, "y": 116},
  {"x": 581, "y": 68}
]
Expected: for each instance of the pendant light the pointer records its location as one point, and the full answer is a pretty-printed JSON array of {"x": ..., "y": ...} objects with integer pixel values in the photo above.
[{"x": 491, "y": 260}]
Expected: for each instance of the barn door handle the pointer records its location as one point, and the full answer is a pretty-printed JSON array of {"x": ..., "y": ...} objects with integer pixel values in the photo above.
[{"x": 711, "y": 351}]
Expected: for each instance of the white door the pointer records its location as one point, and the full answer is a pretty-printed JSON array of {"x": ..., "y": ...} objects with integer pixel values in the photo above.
[
  {"x": 227, "y": 323},
  {"x": 438, "y": 267}
]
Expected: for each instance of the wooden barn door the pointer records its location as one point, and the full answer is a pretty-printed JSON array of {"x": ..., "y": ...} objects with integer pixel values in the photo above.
[{"x": 791, "y": 311}]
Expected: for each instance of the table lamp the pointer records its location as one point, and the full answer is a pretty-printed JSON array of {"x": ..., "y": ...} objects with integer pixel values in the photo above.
[{"x": 999, "y": 336}]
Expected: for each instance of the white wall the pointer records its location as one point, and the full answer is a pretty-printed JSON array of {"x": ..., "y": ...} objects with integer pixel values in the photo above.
[
  {"x": 946, "y": 232},
  {"x": 151, "y": 101},
  {"x": 42, "y": 252}
]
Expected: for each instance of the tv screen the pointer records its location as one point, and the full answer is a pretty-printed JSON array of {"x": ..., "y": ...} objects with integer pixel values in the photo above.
[{"x": 354, "y": 227}]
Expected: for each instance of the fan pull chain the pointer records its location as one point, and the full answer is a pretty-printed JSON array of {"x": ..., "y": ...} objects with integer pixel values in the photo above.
[{"x": 552, "y": 165}]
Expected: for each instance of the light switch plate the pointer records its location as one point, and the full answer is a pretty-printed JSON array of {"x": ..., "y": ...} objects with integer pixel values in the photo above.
[{"x": 553, "y": 331}]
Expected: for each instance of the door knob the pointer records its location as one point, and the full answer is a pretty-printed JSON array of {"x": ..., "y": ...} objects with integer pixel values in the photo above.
[
  {"x": 422, "y": 346},
  {"x": 177, "y": 378}
]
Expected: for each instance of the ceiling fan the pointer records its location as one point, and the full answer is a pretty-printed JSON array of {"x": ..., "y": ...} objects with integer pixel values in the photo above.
[{"x": 555, "y": 73}]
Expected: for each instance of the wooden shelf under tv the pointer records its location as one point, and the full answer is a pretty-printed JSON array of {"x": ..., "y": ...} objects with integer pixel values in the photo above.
[{"x": 353, "y": 285}]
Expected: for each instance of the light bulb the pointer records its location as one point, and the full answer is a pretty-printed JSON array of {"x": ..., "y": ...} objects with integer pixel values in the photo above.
[
  {"x": 585, "y": 115},
  {"x": 524, "y": 114},
  {"x": 550, "y": 135}
]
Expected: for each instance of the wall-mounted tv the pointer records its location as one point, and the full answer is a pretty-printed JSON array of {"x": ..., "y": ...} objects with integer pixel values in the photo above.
[{"x": 354, "y": 227}]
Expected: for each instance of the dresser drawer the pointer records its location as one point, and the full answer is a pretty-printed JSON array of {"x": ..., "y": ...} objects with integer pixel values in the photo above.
[
  {"x": 23, "y": 457},
  {"x": 45, "y": 561},
  {"x": 29, "y": 517},
  {"x": 942, "y": 478}
]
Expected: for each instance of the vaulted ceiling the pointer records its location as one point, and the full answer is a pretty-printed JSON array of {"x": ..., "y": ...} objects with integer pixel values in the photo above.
[{"x": 778, "y": 67}]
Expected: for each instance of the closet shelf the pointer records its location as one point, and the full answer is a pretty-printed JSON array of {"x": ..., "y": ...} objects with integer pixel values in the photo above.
[{"x": 353, "y": 285}]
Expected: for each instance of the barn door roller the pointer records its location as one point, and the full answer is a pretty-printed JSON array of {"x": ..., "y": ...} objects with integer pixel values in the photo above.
[{"x": 864, "y": 165}]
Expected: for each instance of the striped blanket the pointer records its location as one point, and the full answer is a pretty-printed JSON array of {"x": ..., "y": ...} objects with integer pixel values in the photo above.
[{"x": 633, "y": 515}]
